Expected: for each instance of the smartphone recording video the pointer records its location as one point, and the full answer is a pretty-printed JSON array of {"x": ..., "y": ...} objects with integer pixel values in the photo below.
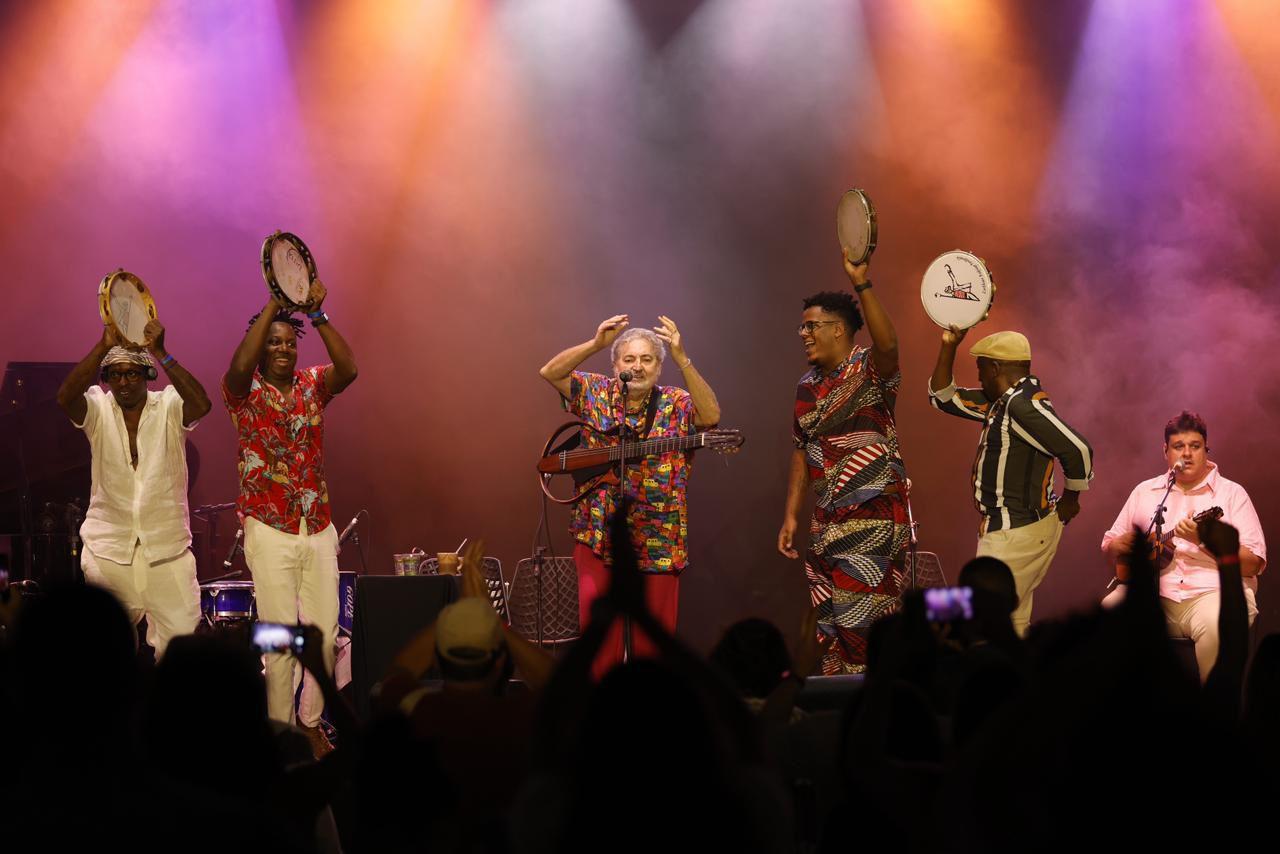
[
  {"x": 948, "y": 604},
  {"x": 276, "y": 637}
]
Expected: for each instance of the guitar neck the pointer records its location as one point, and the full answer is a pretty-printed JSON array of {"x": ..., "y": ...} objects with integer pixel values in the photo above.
[
  {"x": 582, "y": 458},
  {"x": 648, "y": 447}
]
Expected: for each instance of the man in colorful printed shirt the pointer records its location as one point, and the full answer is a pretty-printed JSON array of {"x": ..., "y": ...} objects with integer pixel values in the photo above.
[
  {"x": 658, "y": 519},
  {"x": 1022, "y": 434},
  {"x": 846, "y": 445},
  {"x": 1190, "y": 585},
  {"x": 289, "y": 541}
]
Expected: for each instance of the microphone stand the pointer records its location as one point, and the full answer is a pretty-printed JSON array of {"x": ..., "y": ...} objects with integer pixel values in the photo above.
[
  {"x": 623, "y": 427},
  {"x": 1157, "y": 522},
  {"x": 913, "y": 542},
  {"x": 355, "y": 538},
  {"x": 1157, "y": 518}
]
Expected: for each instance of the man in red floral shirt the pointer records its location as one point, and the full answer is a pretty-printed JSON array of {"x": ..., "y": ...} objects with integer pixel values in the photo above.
[{"x": 289, "y": 541}]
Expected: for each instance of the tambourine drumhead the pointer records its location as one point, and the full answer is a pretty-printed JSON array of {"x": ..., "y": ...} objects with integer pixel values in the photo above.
[
  {"x": 288, "y": 268},
  {"x": 125, "y": 303},
  {"x": 957, "y": 290},
  {"x": 856, "y": 225}
]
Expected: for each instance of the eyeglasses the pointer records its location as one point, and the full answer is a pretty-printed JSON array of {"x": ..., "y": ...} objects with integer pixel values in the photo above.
[
  {"x": 810, "y": 325},
  {"x": 130, "y": 375}
]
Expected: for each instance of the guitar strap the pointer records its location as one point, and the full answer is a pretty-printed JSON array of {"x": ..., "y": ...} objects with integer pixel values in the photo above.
[{"x": 650, "y": 412}]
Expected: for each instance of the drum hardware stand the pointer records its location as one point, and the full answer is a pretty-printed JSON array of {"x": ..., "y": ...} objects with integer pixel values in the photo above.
[
  {"x": 539, "y": 555},
  {"x": 209, "y": 513},
  {"x": 74, "y": 515},
  {"x": 26, "y": 520}
]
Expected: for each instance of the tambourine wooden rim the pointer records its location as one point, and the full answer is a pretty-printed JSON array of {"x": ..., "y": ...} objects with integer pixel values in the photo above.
[
  {"x": 268, "y": 268},
  {"x": 105, "y": 288},
  {"x": 863, "y": 217},
  {"x": 940, "y": 299}
]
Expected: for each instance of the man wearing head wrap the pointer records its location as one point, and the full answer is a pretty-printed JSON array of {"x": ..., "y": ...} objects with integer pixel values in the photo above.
[
  {"x": 136, "y": 532},
  {"x": 1022, "y": 434}
]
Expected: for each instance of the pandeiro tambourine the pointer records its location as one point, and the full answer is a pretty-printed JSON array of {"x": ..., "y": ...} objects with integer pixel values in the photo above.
[
  {"x": 856, "y": 225},
  {"x": 957, "y": 290},
  {"x": 125, "y": 303},
  {"x": 288, "y": 269}
]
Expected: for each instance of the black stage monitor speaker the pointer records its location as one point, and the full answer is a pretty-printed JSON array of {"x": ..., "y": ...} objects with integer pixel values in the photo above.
[{"x": 389, "y": 611}]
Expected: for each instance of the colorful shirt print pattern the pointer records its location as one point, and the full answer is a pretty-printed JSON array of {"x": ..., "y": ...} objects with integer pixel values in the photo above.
[
  {"x": 844, "y": 424},
  {"x": 858, "y": 533},
  {"x": 282, "y": 451},
  {"x": 656, "y": 484}
]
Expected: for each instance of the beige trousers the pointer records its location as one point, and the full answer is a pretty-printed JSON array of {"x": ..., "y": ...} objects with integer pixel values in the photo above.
[
  {"x": 166, "y": 592},
  {"x": 1195, "y": 619},
  {"x": 1028, "y": 551},
  {"x": 295, "y": 580}
]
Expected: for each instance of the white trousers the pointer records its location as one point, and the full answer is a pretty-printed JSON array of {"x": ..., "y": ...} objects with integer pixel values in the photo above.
[
  {"x": 1028, "y": 551},
  {"x": 1195, "y": 618},
  {"x": 166, "y": 592},
  {"x": 295, "y": 580}
]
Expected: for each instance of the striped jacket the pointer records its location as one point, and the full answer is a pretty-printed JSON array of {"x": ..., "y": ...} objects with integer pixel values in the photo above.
[{"x": 1021, "y": 437}]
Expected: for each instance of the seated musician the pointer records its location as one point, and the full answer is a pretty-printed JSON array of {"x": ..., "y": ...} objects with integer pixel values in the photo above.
[
  {"x": 658, "y": 519},
  {"x": 1189, "y": 585}
]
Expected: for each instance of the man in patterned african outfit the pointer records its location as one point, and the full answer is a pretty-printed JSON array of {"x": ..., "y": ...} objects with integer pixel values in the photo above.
[
  {"x": 658, "y": 517},
  {"x": 289, "y": 540},
  {"x": 847, "y": 447}
]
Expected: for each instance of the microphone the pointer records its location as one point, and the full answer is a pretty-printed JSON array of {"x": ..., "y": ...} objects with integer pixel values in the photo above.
[
  {"x": 624, "y": 377},
  {"x": 235, "y": 546},
  {"x": 346, "y": 532},
  {"x": 1179, "y": 466}
]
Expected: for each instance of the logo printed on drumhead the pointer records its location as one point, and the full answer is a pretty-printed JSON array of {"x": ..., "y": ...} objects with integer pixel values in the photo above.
[{"x": 955, "y": 290}]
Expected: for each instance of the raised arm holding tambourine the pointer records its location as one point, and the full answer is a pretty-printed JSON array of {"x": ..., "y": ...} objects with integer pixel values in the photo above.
[
  {"x": 846, "y": 446},
  {"x": 290, "y": 543},
  {"x": 1022, "y": 435}
]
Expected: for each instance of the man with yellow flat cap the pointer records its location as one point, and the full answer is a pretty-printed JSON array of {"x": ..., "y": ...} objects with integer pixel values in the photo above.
[{"x": 1022, "y": 434}]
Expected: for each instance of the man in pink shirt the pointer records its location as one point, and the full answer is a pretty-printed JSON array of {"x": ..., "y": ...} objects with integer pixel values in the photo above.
[{"x": 1189, "y": 585}]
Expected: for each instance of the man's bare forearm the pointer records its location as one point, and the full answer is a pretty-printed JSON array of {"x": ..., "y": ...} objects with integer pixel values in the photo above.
[
  {"x": 83, "y": 375},
  {"x": 706, "y": 408}
]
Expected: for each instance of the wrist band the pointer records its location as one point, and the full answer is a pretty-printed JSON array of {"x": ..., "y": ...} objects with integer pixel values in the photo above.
[
  {"x": 319, "y": 312},
  {"x": 857, "y": 289},
  {"x": 1229, "y": 559},
  {"x": 167, "y": 360},
  {"x": 687, "y": 363},
  {"x": 319, "y": 318}
]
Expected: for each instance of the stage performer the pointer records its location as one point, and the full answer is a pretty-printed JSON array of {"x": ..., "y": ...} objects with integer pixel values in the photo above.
[
  {"x": 137, "y": 532},
  {"x": 1022, "y": 434},
  {"x": 846, "y": 446},
  {"x": 289, "y": 540},
  {"x": 658, "y": 518},
  {"x": 1190, "y": 587}
]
